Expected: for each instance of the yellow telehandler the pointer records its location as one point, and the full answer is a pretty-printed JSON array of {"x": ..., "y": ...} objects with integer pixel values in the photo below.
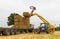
[{"x": 45, "y": 26}]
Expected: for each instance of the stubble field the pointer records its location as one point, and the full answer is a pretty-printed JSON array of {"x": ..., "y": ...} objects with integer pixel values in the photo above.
[{"x": 56, "y": 35}]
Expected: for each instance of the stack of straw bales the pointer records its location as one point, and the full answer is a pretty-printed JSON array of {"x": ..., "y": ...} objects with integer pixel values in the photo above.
[{"x": 22, "y": 22}]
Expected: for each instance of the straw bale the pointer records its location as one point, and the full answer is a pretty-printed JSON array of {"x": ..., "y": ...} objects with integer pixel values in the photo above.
[
  {"x": 17, "y": 18},
  {"x": 26, "y": 14}
]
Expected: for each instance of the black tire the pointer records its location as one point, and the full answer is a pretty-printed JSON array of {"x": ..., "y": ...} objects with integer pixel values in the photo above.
[
  {"x": 36, "y": 31},
  {"x": 12, "y": 32},
  {"x": 6, "y": 32}
]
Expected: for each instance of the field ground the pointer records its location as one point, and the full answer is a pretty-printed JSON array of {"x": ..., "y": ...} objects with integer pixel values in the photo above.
[{"x": 56, "y": 35}]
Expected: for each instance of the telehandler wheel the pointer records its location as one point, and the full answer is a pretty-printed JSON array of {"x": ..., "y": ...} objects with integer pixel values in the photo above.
[
  {"x": 51, "y": 31},
  {"x": 36, "y": 31}
]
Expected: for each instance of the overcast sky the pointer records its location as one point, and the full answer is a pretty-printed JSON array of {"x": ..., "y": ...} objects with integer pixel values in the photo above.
[{"x": 49, "y": 9}]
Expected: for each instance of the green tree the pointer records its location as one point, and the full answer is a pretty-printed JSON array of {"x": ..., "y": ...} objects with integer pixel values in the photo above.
[{"x": 11, "y": 19}]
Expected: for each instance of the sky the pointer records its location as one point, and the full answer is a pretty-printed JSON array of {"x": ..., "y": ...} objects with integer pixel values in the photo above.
[{"x": 49, "y": 9}]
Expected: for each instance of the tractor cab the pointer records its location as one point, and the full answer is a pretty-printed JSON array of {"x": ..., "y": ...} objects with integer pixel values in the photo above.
[{"x": 43, "y": 27}]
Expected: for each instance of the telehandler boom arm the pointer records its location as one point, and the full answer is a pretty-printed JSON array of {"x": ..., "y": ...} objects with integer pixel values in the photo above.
[{"x": 44, "y": 20}]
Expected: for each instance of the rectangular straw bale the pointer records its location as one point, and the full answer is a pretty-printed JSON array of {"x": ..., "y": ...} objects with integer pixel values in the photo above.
[{"x": 26, "y": 14}]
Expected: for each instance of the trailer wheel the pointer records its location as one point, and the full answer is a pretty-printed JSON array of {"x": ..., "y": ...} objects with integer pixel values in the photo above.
[
  {"x": 12, "y": 32},
  {"x": 6, "y": 32},
  {"x": 36, "y": 31},
  {"x": 0, "y": 33}
]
